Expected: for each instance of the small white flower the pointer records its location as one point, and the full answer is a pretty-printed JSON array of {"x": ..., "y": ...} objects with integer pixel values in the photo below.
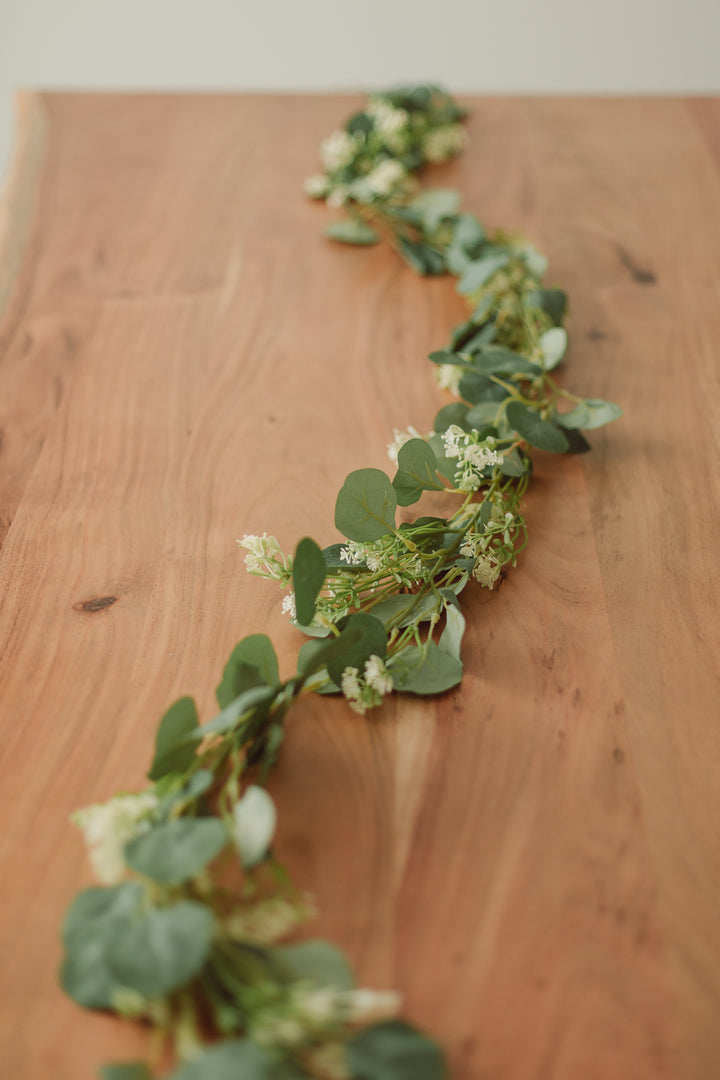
[
  {"x": 388, "y": 119},
  {"x": 316, "y": 186},
  {"x": 448, "y": 377},
  {"x": 399, "y": 440},
  {"x": 338, "y": 196},
  {"x": 377, "y": 676},
  {"x": 442, "y": 142},
  {"x": 254, "y": 821},
  {"x": 452, "y": 438},
  {"x": 353, "y": 553},
  {"x": 337, "y": 150},
  {"x": 351, "y": 688},
  {"x": 486, "y": 571},
  {"x": 108, "y": 827},
  {"x": 370, "y": 1006},
  {"x": 264, "y": 556},
  {"x": 288, "y": 605}
]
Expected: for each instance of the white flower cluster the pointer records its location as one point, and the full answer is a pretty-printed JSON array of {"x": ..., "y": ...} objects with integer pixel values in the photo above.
[
  {"x": 316, "y": 186},
  {"x": 367, "y": 690},
  {"x": 441, "y": 143},
  {"x": 472, "y": 456},
  {"x": 288, "y": 605},
  {"x": 267, "y": 920},
  {"x": 448, "y": 377},
  {"x": 265, "y": 557},
  {"x": 108, "y": 827},
  {"x": 487, "y": 568},
  {"x": 337, "y": 150},
  {"x": 385, "y": 178},
  {"x": 388, "y": 120},
  {"x": 387, "y": 556},
  {"x": 311, "y": 1012},
  {"x": 399, "y": 440}
]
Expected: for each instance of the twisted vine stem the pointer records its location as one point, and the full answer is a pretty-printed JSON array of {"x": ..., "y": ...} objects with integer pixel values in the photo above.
[{"x": 184, "y": 932}]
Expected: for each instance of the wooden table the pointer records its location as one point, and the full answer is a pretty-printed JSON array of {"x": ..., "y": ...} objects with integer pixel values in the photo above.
[{"x": 533, "y": 860}]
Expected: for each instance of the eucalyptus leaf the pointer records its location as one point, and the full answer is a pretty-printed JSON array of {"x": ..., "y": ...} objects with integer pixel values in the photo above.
[
  {"x": 425, "y": 670},
  {"x": 175, "y": 741},
  {"x": 481, "y": 415},
  {"x": 164, "y": 949},
  {"x": 86, "y": 975},
  {"x": 435, "y": 204},
  {"x": 309, "y": 570},
  {"x": 590, "y": 413},
  {"x": 252, "y": 663},
  {"x": 455, "y": 413},
  {"x": 239, "y": 1058},
  {"x": 422, "y": 258},
  {"x": 316, "y": 961},
  {"x": 366, "y": 505},
  {"x": 473, "y": 387},
  {"x": 498, "y": 361},
  {"x": 552, "y": 301},
  {"x": 255, "y": 819},
  {"x": 352, "y": 232},
  {"x": 394, "y": 1051},
  {"x": 452, "y": 635},
  {"x": 176, "y": 851},
  {"x": 514, "y": 464},
  {"x": 554, "y": 346},
  {"x": 100, "y": 909},
  {"x": 240, "y": 707},
  {"x": 577, "y": 443},
  {"x": 466, "y": 244},
  {"x": 404, "y": 609},
  {"x": 533, "y": 429},
  {"x": 417, "y": 472},
  {"x": 480, "y": 271},
  {"x": 129, "y": 1070},
  {"x": 361, "y": 637}
]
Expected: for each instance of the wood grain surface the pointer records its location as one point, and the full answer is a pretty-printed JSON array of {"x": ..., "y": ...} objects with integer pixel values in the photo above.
[{"x": 533, "y": 860}]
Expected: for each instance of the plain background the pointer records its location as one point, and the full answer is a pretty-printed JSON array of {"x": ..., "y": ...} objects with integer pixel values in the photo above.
[{"x": 480, "y": 46}]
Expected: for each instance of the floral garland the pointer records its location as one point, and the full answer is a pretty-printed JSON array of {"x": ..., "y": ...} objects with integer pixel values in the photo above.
[{"x": 183, "y": 932}]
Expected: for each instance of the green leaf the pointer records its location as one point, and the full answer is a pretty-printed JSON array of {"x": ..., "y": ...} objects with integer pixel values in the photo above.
[
  {"x": 252, "y": 663},
  {"x": 394, "y": 1051},
  {"x": 309, "y": 570},
  {"x": 514, "y": 464},
  {"x": 174, "y": 744},
  {"x": 255, "y": 818},
  {"x": 481, "y": 415},
  {"x": 474, "y": 387},
  {"x": 352, "y": 232},
  {"x": 467, "y": 241},
  {"x": 421, "y": 258},
  {"x": 554, "y": 346},
  {"x": 578, "y": 444},
  {"x": 404, "y": 609},
  {"x": 454, "y": 359},
  {"x": 591, "y": 413},
  {"x": 534, "y": 430},
  {"x": 129, "y": 1070},
  {"x": 94, "y": 920},
  {"x": 366, "y": 504},
  {"x": 498, "y": 361},
  {"x": 455, "y": 413},
  {"x": 361, "y": 637},
  {"x": 239, "y": 1058},
  {"x": 100, "y": 909},
  {"x": 417, "y": 472},
  {"x": 177, "y": 850},
  {"x": 318, "y": 962},
  {"x": 163, "y": 950},
  {"x": 552, "y": 301},
  {"x": 249, "y": 701},
  {"x": 425, "y": 670},
  {"x": 434, "y": 204},
  {"x": 451, "y": 637},
  {"x": 480, "y": 271}
]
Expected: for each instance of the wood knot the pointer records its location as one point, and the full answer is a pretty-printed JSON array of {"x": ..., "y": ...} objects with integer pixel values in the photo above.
[{"x": 99, "y": 603}]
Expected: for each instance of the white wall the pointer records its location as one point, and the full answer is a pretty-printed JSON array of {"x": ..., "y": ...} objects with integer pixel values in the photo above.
[{"x": 493, "y": 46}]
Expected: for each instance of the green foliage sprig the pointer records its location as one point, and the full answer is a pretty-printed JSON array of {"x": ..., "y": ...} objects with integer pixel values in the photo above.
[{"x": 186, "y": 930}]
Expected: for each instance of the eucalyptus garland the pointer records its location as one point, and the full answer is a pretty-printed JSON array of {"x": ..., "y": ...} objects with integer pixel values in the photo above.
[{"x": 185, "y": 931}]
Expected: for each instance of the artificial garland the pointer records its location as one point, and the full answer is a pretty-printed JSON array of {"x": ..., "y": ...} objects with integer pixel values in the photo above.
[{"x": 184, "y": 931}]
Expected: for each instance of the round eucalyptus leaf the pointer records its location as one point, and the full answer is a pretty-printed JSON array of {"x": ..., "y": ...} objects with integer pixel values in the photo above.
[
  {"x": 164, "y": 949},
  {"x": 394, "y": 1051},
  {"x": 178, "y": 850},
  {"x": 533, "y": 429},
  {"x": 255, "y": 818},
  {"x": 366, "y": 505}
]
